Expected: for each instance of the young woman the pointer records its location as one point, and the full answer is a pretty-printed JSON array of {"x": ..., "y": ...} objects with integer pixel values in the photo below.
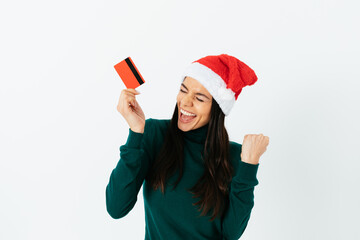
[{"x": 196, "y": 183}]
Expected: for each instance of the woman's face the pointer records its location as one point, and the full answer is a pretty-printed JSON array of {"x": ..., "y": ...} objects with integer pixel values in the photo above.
[{"x": 194, "y": 98}]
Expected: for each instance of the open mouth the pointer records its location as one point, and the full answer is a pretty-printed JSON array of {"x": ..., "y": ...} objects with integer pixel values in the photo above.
[{"x": 186, "y": 118}]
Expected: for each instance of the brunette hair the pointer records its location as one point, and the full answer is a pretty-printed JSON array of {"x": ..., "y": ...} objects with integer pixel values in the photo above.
[{"x": 212, "y": 187}]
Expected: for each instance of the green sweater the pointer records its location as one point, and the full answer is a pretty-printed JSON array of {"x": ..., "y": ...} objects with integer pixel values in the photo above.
[{"x": 172, "y": 216}]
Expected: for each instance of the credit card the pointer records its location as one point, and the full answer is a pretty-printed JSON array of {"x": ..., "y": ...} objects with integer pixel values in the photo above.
[{"x": 129, "y": 73}]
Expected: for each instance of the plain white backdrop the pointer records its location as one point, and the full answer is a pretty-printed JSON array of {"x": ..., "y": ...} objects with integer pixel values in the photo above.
[{"x": 60, "y": 131}]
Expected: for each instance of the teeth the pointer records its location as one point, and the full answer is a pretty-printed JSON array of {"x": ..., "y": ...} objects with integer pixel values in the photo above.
[{"x": 186, "y": 113}]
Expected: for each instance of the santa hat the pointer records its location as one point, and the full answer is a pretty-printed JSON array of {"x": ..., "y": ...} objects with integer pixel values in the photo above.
[{"x": 223, "y": 76}]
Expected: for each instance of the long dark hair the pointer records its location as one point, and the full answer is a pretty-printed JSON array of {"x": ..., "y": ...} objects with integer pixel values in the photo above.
[{"x": 212, "y": 187}]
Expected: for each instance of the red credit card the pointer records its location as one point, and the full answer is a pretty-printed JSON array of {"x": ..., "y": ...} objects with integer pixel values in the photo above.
[{"x": 129, "y": 74}]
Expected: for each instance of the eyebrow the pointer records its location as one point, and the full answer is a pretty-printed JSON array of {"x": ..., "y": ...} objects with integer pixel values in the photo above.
[{"x": 195, "y": 93}]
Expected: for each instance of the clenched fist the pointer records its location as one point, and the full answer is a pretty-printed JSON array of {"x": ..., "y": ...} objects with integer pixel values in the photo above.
[{"x": 254, "y": 145}]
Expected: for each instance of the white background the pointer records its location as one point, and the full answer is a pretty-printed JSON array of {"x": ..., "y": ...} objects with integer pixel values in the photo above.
[{"x": 60, "y": 131}]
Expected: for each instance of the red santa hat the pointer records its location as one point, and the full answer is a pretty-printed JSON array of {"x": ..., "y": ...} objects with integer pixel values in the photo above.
[{"x": 223, "y": 76}]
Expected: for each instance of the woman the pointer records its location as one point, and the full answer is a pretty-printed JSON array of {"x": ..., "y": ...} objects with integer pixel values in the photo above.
[{"x": 196, "y": 183}]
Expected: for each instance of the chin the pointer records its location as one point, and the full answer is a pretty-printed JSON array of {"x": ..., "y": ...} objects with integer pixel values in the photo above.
[{"x": 186, "y": 127}]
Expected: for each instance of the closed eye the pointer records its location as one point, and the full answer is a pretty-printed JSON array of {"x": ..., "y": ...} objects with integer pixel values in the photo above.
[{"x": 196, "y": 98}]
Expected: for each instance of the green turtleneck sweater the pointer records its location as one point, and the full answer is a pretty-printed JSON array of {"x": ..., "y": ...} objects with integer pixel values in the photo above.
[{"x": 172, "y": 216}]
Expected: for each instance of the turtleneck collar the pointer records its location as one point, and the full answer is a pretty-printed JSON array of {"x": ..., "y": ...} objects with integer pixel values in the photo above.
[{"x": 197, "y": 135}]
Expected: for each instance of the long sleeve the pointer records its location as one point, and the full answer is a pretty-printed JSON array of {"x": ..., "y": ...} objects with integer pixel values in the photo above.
[
  {"x": 241, "y": 201},
  {"x": 127, "y": 177}
]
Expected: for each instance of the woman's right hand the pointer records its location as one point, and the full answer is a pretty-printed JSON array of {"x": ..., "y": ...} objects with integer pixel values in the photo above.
[{"x": 130, "y": 109}]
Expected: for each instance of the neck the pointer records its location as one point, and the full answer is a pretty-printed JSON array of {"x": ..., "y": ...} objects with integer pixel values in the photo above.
[{"x": 197, "y": 135}]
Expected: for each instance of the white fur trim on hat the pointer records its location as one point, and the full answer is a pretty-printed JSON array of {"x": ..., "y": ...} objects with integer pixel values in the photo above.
[{"x": 216, "y": 86}]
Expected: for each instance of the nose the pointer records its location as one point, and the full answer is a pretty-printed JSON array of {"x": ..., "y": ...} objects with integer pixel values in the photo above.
[{"x": 187, "y": 100}]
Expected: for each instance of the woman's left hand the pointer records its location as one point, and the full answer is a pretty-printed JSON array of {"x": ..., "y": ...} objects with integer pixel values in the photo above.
[{"x": 254, "y": 145}]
